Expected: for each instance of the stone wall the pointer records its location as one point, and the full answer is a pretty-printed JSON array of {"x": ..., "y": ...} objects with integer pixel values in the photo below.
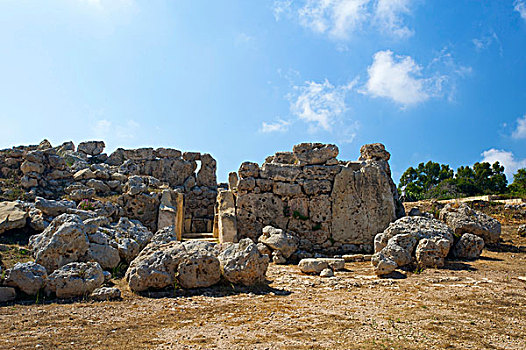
[
  {"x": 330, "y": 205},
  {"x": 133, "y": 178}
]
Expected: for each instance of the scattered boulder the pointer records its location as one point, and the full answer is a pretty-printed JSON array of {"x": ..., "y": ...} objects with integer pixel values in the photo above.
[
  {"x": 412, "y": 238},
  {"x": 327, "y": 273},
  {"x": 62, "y": 242},
  {"x": 278, "y": 240},
  {"x": 189, "y": 264},
  {"x": 75, "y": 280},
  {"x": 462, "y": 219},
  {"x": 105, "y": 294},
  {"x": 27, "y": 277},
  {"x": 313, "y": 266},
  {"x": 469, "y": 246},
  {"x": 12, "y": 215},
  {"x": 242, "y": 263}
]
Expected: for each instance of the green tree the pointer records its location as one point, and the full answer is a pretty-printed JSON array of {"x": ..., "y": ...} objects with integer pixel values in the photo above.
[
  {"x": 415, "y": 183},
  {"x": 519, "y": 182}
]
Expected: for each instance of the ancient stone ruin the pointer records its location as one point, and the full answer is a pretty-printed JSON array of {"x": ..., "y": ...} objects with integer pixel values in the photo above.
[
  {"x": 330, "y": 205},
  {"x": 160, "y": 217}
]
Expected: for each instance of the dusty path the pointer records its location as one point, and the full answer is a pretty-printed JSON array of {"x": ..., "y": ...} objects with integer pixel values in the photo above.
[{"x": 473, "y": 305}]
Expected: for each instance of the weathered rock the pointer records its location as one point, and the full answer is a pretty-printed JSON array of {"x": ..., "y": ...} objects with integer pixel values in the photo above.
[
  {"x": 12, "y": 215},
  {"x": 469, "y": 246},
  {"x": 164, "y": 235},
  {"x": 284, "y": 158},
  {"x": 521, "y": 230},
  {"x": 62, "y": 242},
  {"x": 28, "y": 167},
  {"x": 383, "y": 265},
  {"x": 327, "y": 273},
  {"x": 374, "y": 151},
  {"x": 27, "y": 277},
  {"x": 248, "y": 169},
  {"x": 82, "y": 194},
  {"x": 313, "y": 266},
  {"x": 462, "y": 219},
  {"x": 278, "y": 240},
  {"x": 75, "y": 280},
  {"x": 53, "y": 208},
  {"x": 431, "y": 252},
  {"x": 424, "y": 240},
  {"x": 242, "y": 263},
  {"x": 7, "y": 294},
  {"x": 105, "y": 294},
  {"x": 314, "y": 153},
  {"x": 36, "y": 220},
  {"x": 278, "y": 258},
  {"x": 107, "y": 256},
  {"x": 91, "y": 148},
  {"x": 362, "y": 204},
  {"x": 158, "y": 266},
  {"x": 84, "y": 174},
  {"x": 263, "y": 249},
  {"x": 198, "y": 269},
  {"x": 336, "y": 264}
]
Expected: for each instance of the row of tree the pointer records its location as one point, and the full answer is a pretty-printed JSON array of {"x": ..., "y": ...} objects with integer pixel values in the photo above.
[{"x": 434, "y": 180}]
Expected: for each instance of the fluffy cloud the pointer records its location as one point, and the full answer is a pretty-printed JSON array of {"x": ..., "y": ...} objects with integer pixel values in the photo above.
[
  {"x": 319, "y": 104},
  {"x": 398, "y": 78},
  {"x": 278, "y": 126},
  {"x": 338, "y": 19},
  {"x": 520, "y": 7},
  {"x": 520, "y": 131},
  {"x": 388, "y": 14},
  {"x": 511, "y": 164}
]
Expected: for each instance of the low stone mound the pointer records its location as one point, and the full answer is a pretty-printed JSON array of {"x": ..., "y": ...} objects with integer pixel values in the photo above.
[
  {"x": 462, "y": 219},
  {"x": 412, "y": 238}
]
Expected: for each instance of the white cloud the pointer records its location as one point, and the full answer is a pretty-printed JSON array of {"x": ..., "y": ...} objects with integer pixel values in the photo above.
[
  {"x": 278, "y": 126},
  {"x": 339, "y": 19},
  {"x": 520, "y": 131},
  {"x": 388, "y": 14},
  {"x": 397, "y": 78},
  {"x": 511, "y": 165},
  {"x": 520, "y": 7},
  {"x": 319, "y": 104},
  {"x": 280, "y": 8}
]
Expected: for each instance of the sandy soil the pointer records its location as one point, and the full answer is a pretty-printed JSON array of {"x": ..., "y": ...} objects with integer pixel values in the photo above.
[{"x": 466, "y": 305}]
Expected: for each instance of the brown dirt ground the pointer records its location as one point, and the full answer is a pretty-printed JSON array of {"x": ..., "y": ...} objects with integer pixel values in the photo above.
[{"x": 466, "y": 305}]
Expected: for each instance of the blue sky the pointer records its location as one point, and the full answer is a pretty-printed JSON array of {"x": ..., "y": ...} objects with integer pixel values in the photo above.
[{"x": 440, "y": 80}]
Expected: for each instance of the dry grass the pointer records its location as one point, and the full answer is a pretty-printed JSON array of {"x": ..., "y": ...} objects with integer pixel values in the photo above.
[{"x": 466, "y": 305}]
